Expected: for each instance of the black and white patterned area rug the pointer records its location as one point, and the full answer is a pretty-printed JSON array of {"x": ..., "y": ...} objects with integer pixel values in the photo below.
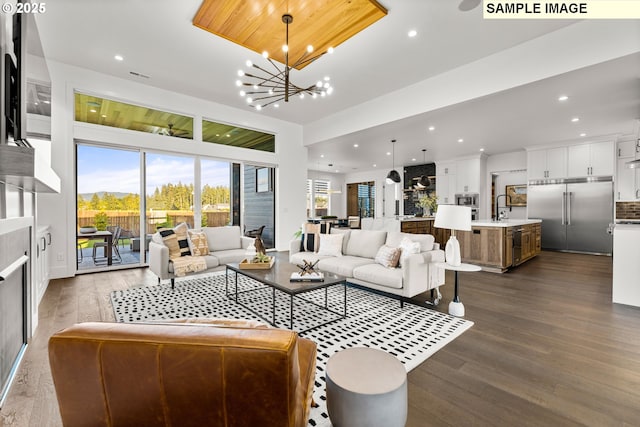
[{"x": 410, "y": 333}]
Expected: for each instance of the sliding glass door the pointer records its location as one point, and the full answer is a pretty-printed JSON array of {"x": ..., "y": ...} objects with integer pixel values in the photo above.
[
  {"x": 108, "y": 207},
  {"x": 124, "y": 196}
]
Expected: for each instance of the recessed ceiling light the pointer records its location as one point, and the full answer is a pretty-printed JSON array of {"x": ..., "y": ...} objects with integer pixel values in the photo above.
[
  {"x": 432, "y": 128},
  {"x": 47, "y": 102},
  {"x": 388, "y": 153},
  {"x": 118, "y": 58},
  {"x": 412, "y": 33},
  {"x": 321, "y": 155},
  {"x": 276, "y": 105},
  {"x": 563, "y": 98},
  {"x": 92, "y": 111},
  {"x": 413, "y": 160},
  {"x": 356, "y": 145},
  {"x": 575, "y": 119},
  {"x": 337, "y": 170},
  {"x": 375, "y": 166},
  {"x": 104, "y": 116},
  {"x": 35, "y": 103},
  {"x": 460, "y": 141},
  {"x": 482, "y": 149},
  {"x": 228, "y": 136},
  {"x": 583, "y": 134}
]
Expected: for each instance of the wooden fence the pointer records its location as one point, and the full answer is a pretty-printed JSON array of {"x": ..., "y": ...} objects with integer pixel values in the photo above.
[{"x": 130, "y": 220}]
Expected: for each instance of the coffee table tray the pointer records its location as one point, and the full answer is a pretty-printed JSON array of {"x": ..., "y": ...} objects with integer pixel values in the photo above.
[{"x": 245, "y": 264}]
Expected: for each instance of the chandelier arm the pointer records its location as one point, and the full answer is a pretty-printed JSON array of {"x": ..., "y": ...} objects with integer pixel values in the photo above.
[
  {"x": 307, "y": 61},
  {"x": 273, "y": 76}
]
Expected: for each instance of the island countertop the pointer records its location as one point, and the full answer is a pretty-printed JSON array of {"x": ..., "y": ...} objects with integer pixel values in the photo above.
[{"x": 505, "y": 223}]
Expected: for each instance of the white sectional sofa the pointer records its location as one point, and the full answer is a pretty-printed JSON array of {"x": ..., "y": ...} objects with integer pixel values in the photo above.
[
  {"x": 226, "y": 244},
  {"x": 417, "y": 274}
]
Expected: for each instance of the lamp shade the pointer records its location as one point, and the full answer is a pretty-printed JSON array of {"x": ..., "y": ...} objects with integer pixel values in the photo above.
[
  {"x": 453, "y": 217},
  {"x": 424, "y": 182},
  {"x": 393, "y": 177}
]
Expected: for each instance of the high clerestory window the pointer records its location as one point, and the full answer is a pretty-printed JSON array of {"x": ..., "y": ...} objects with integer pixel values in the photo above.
[
  {"x": 221, "y": 133},
  {"x": 107, "y": 112}
]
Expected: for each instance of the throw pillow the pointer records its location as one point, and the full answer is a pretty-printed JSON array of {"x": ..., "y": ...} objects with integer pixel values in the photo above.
[
  {"x": 311, "y": 236},
  {"x": 198, "y": 243},
  {"x": 408, "y": 247},
  {"x": 330, "y": 244},
  {"x": 388, "y": 256},
  {"x": 176, "y": 237},
  {"x": 183, "y": 240},
  {"x": 170, "y": 241}
]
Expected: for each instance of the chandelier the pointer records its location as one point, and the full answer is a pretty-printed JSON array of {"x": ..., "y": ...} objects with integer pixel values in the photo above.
[{"x": 263, "y": 87}]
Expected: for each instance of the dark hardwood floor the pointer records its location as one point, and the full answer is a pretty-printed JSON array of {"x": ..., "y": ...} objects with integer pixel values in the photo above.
[{"x": 548, "y": 348}]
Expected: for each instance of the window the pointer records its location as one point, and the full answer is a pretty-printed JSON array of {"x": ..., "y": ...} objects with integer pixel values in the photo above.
[
  {"x": 366, "y": 199},
  {"x": 309, "y": 197},
  {"x": 220, "y": 133},
  {"x": 105, "y": 112},
  {"x": 321, "y": 197}
]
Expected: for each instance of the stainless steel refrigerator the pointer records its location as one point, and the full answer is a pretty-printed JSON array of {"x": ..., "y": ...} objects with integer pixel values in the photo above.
[{"x": 575, "y": 213}]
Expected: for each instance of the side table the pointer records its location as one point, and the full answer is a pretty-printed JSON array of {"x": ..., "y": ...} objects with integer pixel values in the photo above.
[
  {"x": 456, "y": 308},
  {"x": 366, "y": 387}
]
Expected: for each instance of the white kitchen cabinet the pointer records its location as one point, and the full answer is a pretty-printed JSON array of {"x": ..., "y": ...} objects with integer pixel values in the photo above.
[
  {"x": 43, "y": 251},
  {"x": 468, "y": 176},
  {"x": 626, "y": 268},
  {"x": 627, "y": 148},
  {"x": 626, "y": 182},
  {"x": 446, "y": 189},
  {"x": 595, "y": 159},
  {"x": 547, "y": 163}
]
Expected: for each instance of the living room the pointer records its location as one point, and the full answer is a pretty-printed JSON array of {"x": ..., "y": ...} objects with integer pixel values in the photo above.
[{"x": 309, "y": 137}]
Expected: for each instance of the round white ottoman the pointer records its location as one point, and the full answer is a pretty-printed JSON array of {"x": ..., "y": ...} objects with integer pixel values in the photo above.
[{"x": 366, "y": 388}]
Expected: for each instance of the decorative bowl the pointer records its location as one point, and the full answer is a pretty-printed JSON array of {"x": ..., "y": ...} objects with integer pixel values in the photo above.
[{"x": 86, "y": 230}]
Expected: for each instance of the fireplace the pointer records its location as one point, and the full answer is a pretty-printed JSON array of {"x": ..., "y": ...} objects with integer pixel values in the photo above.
[{"x": 15, "y": 279}]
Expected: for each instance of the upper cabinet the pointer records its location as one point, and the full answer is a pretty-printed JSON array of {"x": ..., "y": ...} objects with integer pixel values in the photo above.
[
  {"x": 468, "y": 176},
  {"x": 627, "y": 180},
  {"x": 595, "y": 159},
  {"x": 547, "y": 163},
  {"x": 446, "y": 182},
  {"x": 458, "y": 176}
]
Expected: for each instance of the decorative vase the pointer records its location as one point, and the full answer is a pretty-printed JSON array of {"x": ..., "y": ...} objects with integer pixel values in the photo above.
[{"x": 452, "y": 252}]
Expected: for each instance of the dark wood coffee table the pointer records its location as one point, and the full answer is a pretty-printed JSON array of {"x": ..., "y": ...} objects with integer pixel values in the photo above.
[{"x": 278, "y": 278}]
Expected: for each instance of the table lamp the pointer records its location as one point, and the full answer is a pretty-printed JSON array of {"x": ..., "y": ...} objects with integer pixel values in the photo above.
[{"x": 455, "y": 218}]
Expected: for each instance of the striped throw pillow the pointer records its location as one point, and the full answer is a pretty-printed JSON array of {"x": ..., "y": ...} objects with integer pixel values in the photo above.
[{"x": 176, "y": 240}]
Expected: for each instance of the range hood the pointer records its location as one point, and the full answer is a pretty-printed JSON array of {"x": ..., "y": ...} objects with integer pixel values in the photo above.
[
  {"x": 633, "y": 164},
  {"x": 23, "y": 168}
]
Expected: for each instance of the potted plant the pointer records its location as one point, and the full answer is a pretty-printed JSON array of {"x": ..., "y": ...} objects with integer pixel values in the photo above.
[
  {"x": 429, "y": 204},
  {"x": 101, "y": 220}
]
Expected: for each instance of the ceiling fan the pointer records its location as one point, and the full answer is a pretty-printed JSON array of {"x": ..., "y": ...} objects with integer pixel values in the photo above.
[
  {"x": 174, "y": 132},
  {"x": 467, "y": 5}
]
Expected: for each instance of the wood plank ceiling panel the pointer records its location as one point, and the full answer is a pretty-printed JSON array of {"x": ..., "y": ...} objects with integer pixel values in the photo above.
[{"x": 257, "y": 24}]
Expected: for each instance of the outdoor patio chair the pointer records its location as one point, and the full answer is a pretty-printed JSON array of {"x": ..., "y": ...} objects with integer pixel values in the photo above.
[{"x": 115, "y": 253}]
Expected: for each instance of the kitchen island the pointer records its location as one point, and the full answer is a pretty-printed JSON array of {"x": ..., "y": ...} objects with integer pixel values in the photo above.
[
  {"x": 424, "y": 225},
  {"x": 500, "y": 245}
]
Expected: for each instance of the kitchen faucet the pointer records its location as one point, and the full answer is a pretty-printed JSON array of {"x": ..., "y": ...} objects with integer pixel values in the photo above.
[{"x": 506, "y": 197}]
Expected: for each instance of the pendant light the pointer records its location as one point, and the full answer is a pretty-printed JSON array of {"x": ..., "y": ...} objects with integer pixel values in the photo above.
[
  {"x": 393, "y": 177},
  {"x": 424, "y": 181}
]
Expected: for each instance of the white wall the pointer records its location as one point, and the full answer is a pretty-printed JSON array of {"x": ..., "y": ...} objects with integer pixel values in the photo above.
[
  {"x": 59, "y": 209},
  {"x": 384, "y": 192},
  {"x": 337, "y": 201},
  {"x": 512, "y": 170}
]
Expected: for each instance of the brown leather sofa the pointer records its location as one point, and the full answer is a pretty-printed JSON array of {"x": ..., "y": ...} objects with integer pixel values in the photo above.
[{"x": 186, "y": 373}]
